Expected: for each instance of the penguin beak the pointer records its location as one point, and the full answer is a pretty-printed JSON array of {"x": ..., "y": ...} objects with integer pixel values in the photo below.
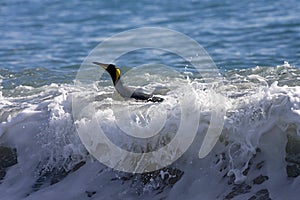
[{"x": 104, "y": 66}]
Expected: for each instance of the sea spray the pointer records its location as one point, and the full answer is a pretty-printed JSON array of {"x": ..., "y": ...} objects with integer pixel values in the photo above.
[{"x": 256, "y": 155}]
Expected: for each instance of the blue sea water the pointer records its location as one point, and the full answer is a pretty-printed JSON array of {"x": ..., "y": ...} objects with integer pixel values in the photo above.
[
  {"x": 254, "y": 44},
  {"x": 57, "y": 35}
]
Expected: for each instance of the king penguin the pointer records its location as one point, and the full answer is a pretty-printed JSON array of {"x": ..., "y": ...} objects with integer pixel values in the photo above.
[{"x": 125, "y": 91}]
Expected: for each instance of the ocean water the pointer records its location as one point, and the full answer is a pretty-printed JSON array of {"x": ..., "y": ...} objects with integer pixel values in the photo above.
[{"x": 255, "y": 46}]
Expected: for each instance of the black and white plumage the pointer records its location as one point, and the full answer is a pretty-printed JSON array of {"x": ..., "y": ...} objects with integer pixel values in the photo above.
[{"x": 124, "y": 91}]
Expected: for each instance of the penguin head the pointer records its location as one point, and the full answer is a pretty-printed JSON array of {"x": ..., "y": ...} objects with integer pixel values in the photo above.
[{"x": 113, "y": 71}]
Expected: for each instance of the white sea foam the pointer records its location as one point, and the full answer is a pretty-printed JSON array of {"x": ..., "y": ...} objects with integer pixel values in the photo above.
[{"x": 261, "y": 121}]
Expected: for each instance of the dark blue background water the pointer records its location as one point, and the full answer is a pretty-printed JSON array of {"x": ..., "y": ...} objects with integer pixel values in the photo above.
[{"x": 58, "y": 35}]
